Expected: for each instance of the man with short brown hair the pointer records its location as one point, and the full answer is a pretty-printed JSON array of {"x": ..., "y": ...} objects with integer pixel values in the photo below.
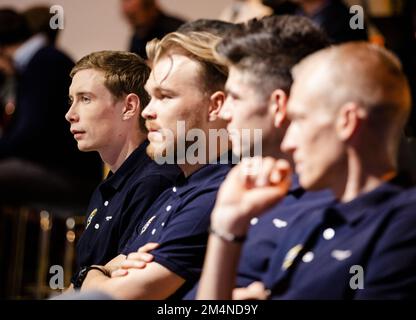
[{"x": 107, "y": 95}]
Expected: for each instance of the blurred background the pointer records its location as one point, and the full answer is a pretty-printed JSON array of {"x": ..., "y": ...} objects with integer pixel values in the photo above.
[
  {"x": 41, "y": 203},
  {"x": 92, "y": 25}
]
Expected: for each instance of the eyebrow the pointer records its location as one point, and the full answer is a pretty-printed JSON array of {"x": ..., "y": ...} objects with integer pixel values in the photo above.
[
  {"x": 159, "y": 89},
  {"x": 81, "y": 93},
  {"x": 230, "y": 91}
]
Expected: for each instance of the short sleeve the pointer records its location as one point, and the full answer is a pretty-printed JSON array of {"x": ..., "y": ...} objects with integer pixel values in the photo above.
[
  {"x": 137, "y": 203},
  {"x": 184, "y": 241}
]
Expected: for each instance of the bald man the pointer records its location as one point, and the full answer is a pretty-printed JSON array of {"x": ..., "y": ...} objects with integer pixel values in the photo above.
[{"x": 348, "y": 107}]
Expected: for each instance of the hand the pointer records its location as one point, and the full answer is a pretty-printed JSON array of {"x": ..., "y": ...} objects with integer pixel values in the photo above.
[
  {"x": 255, "y": 291},
  {"x": 136, "y": 260},
  {"x": 249, "y": 189}
]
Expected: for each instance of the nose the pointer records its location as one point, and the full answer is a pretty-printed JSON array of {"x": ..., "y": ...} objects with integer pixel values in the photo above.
[
  {"x": 71, "y": 116},
  {"x": 149, "y": 112},
  {"x": 225, "y": 112},
  {"x": 288, "y": 143}
]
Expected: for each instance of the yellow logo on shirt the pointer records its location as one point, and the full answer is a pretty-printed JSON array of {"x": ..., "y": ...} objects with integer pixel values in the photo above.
[
  {"x": 147, "y": 225},
  {"x": 291, "y": 256},
  {"x": 92, "y": 214}
]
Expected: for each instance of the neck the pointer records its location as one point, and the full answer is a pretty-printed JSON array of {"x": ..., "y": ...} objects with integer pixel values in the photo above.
[
  {"x": 362, "y": 176},
  {"x": 271, "y": 146},
  {"x": 116, "y": 154},
  {"x": 312, "y": 7},
  {"x": 223, "y": 145},
  {"x": 189, "y": 169}
]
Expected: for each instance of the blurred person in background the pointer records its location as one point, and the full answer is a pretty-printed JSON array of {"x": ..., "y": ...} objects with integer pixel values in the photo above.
[
  {"x": 333, "y": 16},
  {"x": 148, "y": 21},
  {"x": 243, "y": 10},
  {"x": 39, "y": 161}
]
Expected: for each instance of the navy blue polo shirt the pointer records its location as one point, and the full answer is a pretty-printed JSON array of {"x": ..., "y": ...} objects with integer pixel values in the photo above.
[
  {"x": 265, "y": 232},
  {"x": 118, "y": 205},
  {"x": 324, "y": 250},
  {"x": 179, "y": 222}
]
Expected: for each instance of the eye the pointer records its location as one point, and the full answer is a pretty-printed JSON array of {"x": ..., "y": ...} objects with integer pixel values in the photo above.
[
  {"x": 165, "y": 97},
  {"x": 85, "y": 99},
  {"x": 70, "y": 101},
  {"x": 233, "y": 96}
]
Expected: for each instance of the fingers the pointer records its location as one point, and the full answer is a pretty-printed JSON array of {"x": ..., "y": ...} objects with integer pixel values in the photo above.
[
  {"x": 119, "y": 273},
  {"x": 255, "y": 291},
  {"x": 131, "y": 263},
  {"x": 263, "y": 178},
  {"x": 148, "y": 247},
  {"x": 138, "y": 257},
  {"x": 262, "y": 172}
]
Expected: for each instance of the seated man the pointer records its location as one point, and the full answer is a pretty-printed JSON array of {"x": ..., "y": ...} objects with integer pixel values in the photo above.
[
  {"x": 257, "y": 90},
  {"x": 186, "y": 88},
  {"x": 258, "y": 86},
  {"x": 107, "y": 95},
  {"x": 348, "y": 107}
]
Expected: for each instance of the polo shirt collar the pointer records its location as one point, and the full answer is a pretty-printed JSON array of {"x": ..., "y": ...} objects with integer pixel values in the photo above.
[
  {"x": 201, "y": 176},
  {"x": 114, "y": 181},
  {"x": 295, "y": 187},
  {"x": 356, "y": 209}
]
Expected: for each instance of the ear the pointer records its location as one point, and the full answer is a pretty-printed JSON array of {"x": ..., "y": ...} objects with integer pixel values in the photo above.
[
  {"x": 216, "y": 102},
  {"x": 349, "y": 119},
  {"x": 131, "y": 106},
  {"x": 277, "y": 107}
]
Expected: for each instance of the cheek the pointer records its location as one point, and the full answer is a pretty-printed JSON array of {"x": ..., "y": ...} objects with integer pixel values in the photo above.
[
  {"x": 323, "y": 148},
  {"x": 245, "y": 117}
]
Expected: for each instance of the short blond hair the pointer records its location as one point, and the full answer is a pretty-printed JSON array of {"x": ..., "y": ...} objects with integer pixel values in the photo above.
[{"x": 198, "y": 46}]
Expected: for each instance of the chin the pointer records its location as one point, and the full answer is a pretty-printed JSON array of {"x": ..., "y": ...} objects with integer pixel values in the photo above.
[
  {"x": 83, "y": 148},
  {"x": 154, "y": 151}
]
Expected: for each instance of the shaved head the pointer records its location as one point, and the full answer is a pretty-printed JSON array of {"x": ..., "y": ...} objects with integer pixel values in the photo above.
[{"x": 364, "y": 74}]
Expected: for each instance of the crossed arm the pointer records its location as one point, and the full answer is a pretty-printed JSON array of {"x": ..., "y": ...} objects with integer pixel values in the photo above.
[
  {"x": 143, "y": 280},
  {"x": 138, "y": 277}
]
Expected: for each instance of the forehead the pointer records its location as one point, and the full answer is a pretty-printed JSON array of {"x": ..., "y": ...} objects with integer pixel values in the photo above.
[
  {"x": 304, "y": 92},
  {"x": 237, "y": 77},
  {"x": 242, "y": 82},
  {"x": 174, "y": 71},
  {"x": 88, "y": 80}
]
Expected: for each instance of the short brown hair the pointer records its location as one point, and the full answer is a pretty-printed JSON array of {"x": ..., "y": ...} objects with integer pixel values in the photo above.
[
  {"x": 197, "y": 46},
  {"x": 124, "y": 73},
  {"x": 268, "y": 48}
]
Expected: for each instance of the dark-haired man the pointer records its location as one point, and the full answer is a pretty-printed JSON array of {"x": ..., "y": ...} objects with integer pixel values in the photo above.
[{"x": 348, "y": 107}]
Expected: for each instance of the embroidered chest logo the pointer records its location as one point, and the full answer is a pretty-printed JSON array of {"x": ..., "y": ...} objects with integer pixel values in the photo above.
[
  {"x": 92, "y": 214},
  {"x": 147, "y": 225},
  {"x": 291, "y": 256}
]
